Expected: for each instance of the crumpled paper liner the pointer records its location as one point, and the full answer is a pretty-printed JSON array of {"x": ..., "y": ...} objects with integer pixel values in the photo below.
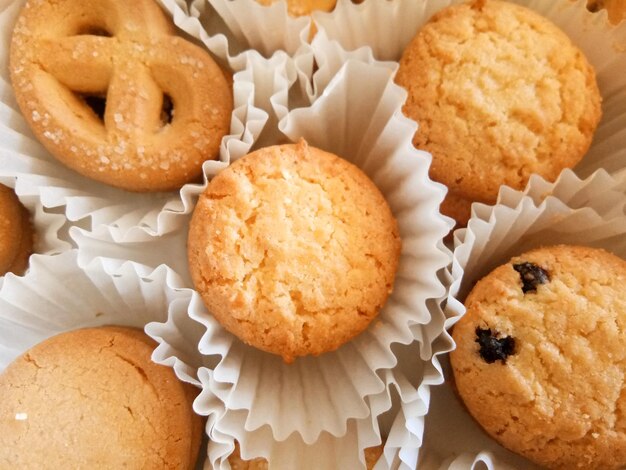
[
  {"x": 128, "y": 216},
  {"x": 388, "y": 26},
  {"x": 57, "y": 295},
  {"x": 274, "y": 86},
  {"x": 396, "y": 419},
  {"x": 589, "y": 212},
  {"x": 335, "y": 400},
  {"x": 231, "y": 29}
]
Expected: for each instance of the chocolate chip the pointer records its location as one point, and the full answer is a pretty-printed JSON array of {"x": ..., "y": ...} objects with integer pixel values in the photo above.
[
  {"x": 492, "y": 348},
  {"x": 531, "y": 275}
]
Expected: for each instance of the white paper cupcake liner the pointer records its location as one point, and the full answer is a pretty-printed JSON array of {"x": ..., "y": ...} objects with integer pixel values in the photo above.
[
  {"x": 396, "y": 418},
  {"x": 266, "y": 29},
  {"x": 230, "y": 28},
  {"x": 590, "y": 212},
  {"x": 345, "y": 391},
  {"x": 57, "y": 295},
  {"x": 388, "y": 26},
  {"x": 129, "y": 216}
]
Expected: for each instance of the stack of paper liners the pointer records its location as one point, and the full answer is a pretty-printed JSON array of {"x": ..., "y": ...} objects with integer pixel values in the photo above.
[{"x": 330, "y": 405}]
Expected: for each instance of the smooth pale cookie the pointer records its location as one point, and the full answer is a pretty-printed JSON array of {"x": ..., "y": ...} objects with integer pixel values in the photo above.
[
  {"x": 92, "y": 398},
  {"x": 304, "y": 7},
  {"x": 541, "y": 357},
  {"x": 499, "y": 93},
  {"x": 112, "y": 93},
  {"x": 16, "y": 233},
  {"x": 372, "y": 454},
  {"x": 293, "y": 249}
]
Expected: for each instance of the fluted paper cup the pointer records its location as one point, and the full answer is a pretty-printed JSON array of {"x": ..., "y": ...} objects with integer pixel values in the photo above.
[
  {"x": 590, "y": 212},
  {"x": 229, "y": 28},
  {"x": 58, "y": 295},
  {"x": 388, "y": 26},
  {"x": 335, "y": 400}
]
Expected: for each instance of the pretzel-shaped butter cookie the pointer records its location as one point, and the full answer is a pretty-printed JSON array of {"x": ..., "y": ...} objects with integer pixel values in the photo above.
[{"x": 95, "y": 79}]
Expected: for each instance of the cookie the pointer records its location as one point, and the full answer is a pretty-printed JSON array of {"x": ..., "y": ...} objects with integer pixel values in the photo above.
[
  {"x": 615, "y": 8},
  {"x": 456, "y": 207},
  {"x": 293, "y": 249},
  {"x": 499, "y": 93},
  {"x": 304, "y": 7},
  {"x": 112, "y": 93},
  {"x": 16, "y": 234},
  {"x": 92, "y": 398},
  {"x": 372, "y": 454},
  {"x": 541, "y": 357}
]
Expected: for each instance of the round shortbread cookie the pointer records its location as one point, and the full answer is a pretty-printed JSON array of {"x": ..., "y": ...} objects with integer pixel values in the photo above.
[
  {"x": 92, "y": 398},
  {"x": 499, "y": 93},
  {"x": 16, "y": 233},
  {"x": 293, "y": 249},
  {"x": 372, "y": 454},
  {"x": 112, "y": 93},
  {"x": 541, "y": 357}
]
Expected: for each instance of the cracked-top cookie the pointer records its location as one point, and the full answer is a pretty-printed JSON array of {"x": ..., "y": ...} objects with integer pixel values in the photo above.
[
  {"x": 541, "y": 357},
  {"x": 499, "y": 93},
  {"x": 93, "y": 398},
  {"x": 293, "y": 249}
]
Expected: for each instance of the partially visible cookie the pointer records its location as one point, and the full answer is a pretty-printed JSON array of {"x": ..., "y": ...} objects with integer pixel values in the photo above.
[
  {"x": 458, "y": 208},
  {"x": 16, "y": 233},
  {"x": 92, "y": 398},
  {"x": 372, "y": 454},
  {"x": 304, "y": 7},
  {"x": 541, "y": 357},
  {"x": 499, "y": 93},
  {"x": 615, "y": 8},
  {"x": 293, "y": 249}
]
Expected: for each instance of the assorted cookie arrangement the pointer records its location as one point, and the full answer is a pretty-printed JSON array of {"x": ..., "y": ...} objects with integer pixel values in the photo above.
[{"x": 313, "y": 260}]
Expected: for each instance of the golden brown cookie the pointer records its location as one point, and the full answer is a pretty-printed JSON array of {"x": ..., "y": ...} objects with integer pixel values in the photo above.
[
  {"x": 16, "y": 234},
  {"x": 499, "y": 93},
  {"x": 541, "y": 357},
  {"x": 304, "y": 7},
  {"x": 92, "y": 398},
  {"x": 458, "y": 208},
  {"x": 372, "y": 454},
  {"x": 112, "y": 93},
  {"x": 293, "y": 249}
]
